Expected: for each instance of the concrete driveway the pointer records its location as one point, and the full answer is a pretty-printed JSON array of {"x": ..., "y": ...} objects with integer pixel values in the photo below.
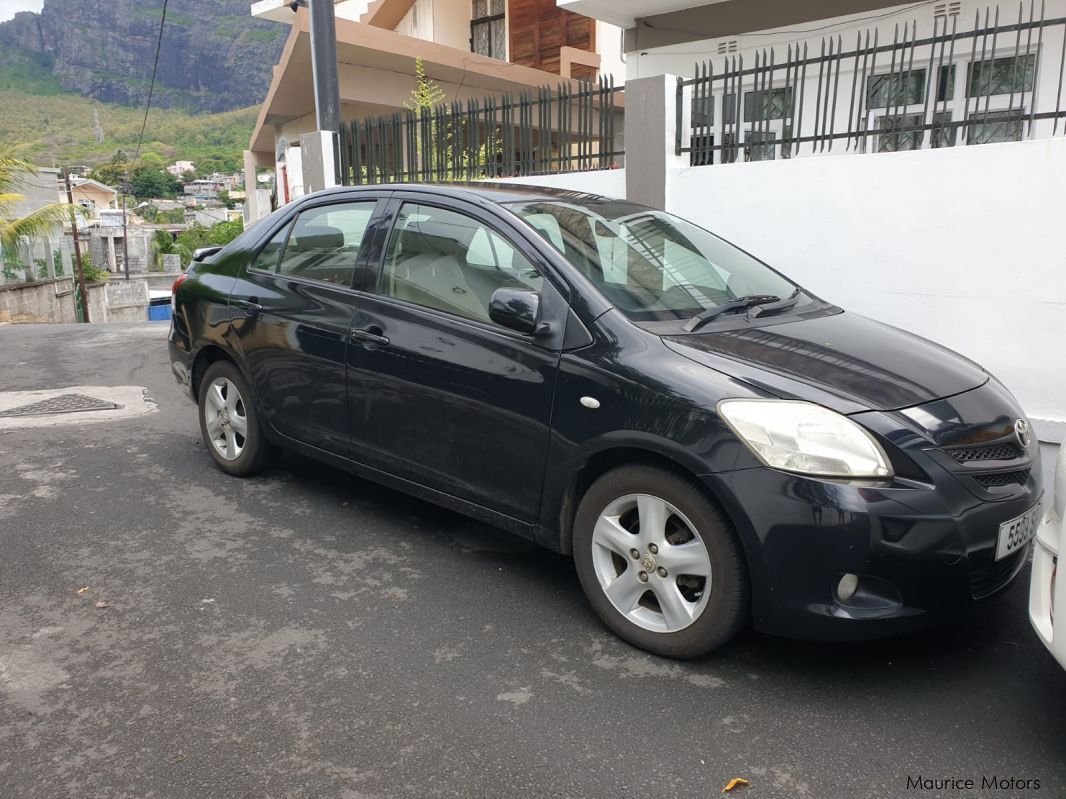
[{"x": 166, "y": 631}]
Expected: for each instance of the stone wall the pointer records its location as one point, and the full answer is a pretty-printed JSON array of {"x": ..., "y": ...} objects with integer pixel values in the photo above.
[
  {"x": 53, "y": 301},
  {"x": 127, "y": 300},
  {"x": 43, "y": 301}
]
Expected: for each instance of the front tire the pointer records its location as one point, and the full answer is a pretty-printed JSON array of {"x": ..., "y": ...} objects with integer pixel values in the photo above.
[
  {"x": 229, "y": 422},
  {"x": 660, "y": 563}
]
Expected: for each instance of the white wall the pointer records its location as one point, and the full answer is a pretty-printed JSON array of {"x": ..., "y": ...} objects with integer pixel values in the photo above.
[
  {"x": 418, "y": 21},
  {"x": 964, "y": 246},
  {"x": 681, "y": 59},
  {"x": 609, "y": 46},
  {"x": 451, "y": 23},
  {"x": 608, "y": 182}
]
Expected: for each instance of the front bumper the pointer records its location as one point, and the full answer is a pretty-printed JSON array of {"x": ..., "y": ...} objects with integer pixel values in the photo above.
[{"x": 925, "y": 552}]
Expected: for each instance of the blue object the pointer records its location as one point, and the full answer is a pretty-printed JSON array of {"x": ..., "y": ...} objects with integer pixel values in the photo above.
[{"x": 159, "y": 313}]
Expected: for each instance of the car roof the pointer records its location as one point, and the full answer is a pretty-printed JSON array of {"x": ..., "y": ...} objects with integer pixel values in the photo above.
[{"x": 488, "y": 190}]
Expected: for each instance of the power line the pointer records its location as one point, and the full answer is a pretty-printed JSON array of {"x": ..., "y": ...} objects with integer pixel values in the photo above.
[{"x": 151, "y": 86}]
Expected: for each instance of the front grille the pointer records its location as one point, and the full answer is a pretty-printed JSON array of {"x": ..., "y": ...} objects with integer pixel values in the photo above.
[
  {"x": 999, "y": 479},
  {"x": 993, "y": 575},
  {"x": 994, "y": 452}
]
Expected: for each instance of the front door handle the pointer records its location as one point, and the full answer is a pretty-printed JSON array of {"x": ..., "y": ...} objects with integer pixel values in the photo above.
[
  {"x": 371, "y": 338},
  {"x": 249, "y": 306}
]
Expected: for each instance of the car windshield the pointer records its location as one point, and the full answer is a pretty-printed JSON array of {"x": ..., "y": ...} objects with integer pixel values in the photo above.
[{"x": 652, "y": 266}]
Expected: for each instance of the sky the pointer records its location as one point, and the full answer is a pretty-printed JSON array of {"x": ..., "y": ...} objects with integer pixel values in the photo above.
[{"x": 8, "y": 8}]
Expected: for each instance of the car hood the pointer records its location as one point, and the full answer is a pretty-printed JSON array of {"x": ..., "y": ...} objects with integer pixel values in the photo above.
[{"x": 844, "y": 361}]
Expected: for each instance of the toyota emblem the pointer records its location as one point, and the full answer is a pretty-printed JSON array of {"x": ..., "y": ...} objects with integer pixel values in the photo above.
[{"x": 1021, "y": 431}]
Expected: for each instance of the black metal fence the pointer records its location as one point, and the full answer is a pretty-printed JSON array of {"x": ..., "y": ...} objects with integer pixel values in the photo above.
[
  {"x": 566, "y": 130},
  {"x": 997, "y": 81}
]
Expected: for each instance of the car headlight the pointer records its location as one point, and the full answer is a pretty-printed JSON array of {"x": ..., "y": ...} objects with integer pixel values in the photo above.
[{"x": 803, "y": 437}]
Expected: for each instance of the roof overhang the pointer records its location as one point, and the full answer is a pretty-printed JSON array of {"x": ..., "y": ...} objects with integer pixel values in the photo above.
[
  {"x": 625, "y": 13},
  {"x": 376, "y": 68}
]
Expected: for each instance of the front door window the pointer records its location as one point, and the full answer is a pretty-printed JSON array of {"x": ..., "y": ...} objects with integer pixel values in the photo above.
[{"x": 450, "y": 262}]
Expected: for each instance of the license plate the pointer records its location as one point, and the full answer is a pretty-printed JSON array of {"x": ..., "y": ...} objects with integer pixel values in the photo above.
[{"x": 1016, "y": 533}]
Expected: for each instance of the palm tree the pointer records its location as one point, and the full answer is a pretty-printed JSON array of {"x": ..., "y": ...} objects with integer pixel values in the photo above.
[
  {"x": 13, "y": 173},
  {"x": 163, "y": 243}
]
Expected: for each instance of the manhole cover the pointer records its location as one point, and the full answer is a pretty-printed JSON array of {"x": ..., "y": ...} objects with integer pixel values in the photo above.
[{"x": 64, "y": 403}]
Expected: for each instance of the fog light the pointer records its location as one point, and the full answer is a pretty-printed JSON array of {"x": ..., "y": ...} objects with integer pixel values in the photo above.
[{"x": 847, "y": 587}]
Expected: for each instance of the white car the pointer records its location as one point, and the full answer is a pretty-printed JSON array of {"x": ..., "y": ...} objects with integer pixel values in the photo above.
[{"x": 1047, "y": 596}]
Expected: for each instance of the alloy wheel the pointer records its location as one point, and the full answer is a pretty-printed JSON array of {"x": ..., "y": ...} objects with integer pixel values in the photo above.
[
  {"x": 651, "y": 563},
  {"x": 226, "y": 418}
]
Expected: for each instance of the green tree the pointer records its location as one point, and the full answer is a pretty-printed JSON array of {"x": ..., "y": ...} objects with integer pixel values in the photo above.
[
  {"x": 147, "y": 182},
  {"x": 114, "y": 172},
  {"x": 427, "y": 93},
  {"x": 215, "y": 236},
  {"x": 13, "y": 173},
  {"x": 452, "y": 158},
  {"x": 163, "y": 243}
]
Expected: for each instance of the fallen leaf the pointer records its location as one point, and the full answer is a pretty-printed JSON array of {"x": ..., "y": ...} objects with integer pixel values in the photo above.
[
  {"x": 81, "y": 591},
  {"x": 734, "y": 783},
  {"x": 174, "y": 759},
  {"x": 101, "y": 604}
]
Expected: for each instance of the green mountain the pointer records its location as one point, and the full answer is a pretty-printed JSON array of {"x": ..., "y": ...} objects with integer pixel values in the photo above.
[
  {"x": 82, "y": 60},
  {"x": 59, "y": 128},
  {"x": 214, "y": 55}
]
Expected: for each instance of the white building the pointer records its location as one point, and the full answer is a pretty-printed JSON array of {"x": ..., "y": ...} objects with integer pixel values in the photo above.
[
  {"x": 179, "y": 168},
  {"x": 470, "y": 48},
  {"x": 812, "y": 79},
  {"x": 839, "y": 147}
]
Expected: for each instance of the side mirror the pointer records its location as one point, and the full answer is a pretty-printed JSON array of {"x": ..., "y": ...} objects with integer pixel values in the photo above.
[{"x": 517, "y": 309}]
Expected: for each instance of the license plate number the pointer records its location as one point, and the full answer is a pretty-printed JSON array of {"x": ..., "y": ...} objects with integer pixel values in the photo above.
[{"x": 1016, "y": 533}]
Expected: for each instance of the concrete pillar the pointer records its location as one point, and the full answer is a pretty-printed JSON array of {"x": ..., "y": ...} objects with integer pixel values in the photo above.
[
  {"x": 251, "y": 201},
  {"x": 112, "y": 261},
  {"x": 318, "y": 158},
  {"x": 651, "y": 137}
]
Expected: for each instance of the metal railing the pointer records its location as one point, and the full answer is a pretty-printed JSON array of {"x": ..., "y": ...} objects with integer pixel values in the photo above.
[
  {"x": 955, "y": 87},
  {"x": 566, "y": 130}
]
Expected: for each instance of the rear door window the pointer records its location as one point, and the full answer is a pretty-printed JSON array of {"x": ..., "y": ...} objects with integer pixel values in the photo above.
[
  {"x": 324, "y": 243},
  {"x": 267, "y": 260}
]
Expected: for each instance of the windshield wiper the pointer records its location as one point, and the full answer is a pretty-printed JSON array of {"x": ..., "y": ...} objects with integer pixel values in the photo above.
[
  {"x": 756, "y": 311},
  {"x": 739, "y": 304}
]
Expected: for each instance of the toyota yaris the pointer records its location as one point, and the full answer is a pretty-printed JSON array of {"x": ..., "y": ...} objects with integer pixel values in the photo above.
[{"x": 711, "y": 442}]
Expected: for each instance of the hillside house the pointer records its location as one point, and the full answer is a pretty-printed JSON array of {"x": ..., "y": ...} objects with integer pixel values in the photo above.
[{"x": 471, "y": 48}]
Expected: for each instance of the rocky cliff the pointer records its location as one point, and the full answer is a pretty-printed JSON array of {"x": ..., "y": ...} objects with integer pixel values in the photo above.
[{"x": 214, "y": 56}]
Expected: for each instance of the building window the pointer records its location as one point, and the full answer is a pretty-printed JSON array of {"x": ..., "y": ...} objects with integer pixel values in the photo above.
[
  {"x": 897, "y": 133},
  {"x": 996, "y": 126},
  {"x": 760, "y": 106},
  {"x": 1010, "y": 75},
  {"x": 488, "y": 29},
  {"x": 895, "y": 89},
  {"x": 760, "y": 145}
]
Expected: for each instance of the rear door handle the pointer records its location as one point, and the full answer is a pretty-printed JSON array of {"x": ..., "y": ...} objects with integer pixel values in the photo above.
[{"x": 371, "y": 338}]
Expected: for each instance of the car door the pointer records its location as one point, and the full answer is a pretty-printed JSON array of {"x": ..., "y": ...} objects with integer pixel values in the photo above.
[
  {"x": 292, "y": 308},
  {"x": 438, "y": 393}
]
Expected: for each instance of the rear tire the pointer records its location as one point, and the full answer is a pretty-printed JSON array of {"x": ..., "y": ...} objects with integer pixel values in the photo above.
[
  {"x": 660, "y": 563},
  {"x": 229, "y": 422}
]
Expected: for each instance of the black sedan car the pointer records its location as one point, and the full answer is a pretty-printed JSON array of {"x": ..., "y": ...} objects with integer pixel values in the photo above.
[{"x": 712, "y": 443}]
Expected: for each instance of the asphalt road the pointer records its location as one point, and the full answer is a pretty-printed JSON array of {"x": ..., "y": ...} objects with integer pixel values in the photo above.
[{"x": 308, "y": 634}]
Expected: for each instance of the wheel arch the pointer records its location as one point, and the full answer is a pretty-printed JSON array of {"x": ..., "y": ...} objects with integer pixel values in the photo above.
[
  {"x": 205, "y": 356},
  {"x": 613, "y": 454}
]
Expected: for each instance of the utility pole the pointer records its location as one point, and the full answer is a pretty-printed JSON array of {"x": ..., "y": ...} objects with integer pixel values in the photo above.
[
  {"x": 125, "y": 235},
  {"x": 324, "y": 68},
  {"x": 77, "y": 250}
]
